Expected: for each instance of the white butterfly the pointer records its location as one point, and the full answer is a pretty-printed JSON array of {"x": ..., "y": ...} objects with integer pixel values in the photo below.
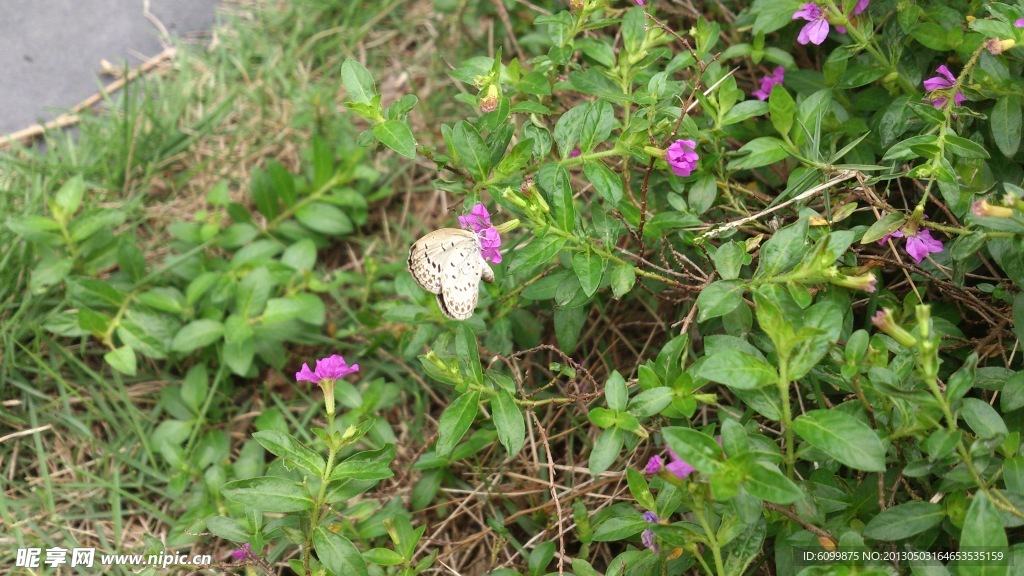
[{"x": 448, "y": 262}]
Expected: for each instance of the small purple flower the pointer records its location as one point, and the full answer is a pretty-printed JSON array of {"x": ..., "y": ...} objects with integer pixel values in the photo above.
[
  {"x": 922, "y": 244},
  {"x": 575, "y": 153},
  {"x": 681, "y": 468},
  {"x": 1019, "y": 23},
  {"x": 919, "y": 245},
  {"x": 640, "y": 2},
  {"x": 242, "y": 553},
  {"x": 768, "y": 82},
  {"x": 816, "y": 29},
  {"x": 332, "y": 367},
  {"x": 490, "y": 242},
  {"x": 654, "y": 465},
  {"x": 944, "y": 80},
  {"x": 650, "y": 517},
  {"x": 647, "y": 537},
  {"x": 479, "y": 220},
  {"x": 682, "y": 157}
]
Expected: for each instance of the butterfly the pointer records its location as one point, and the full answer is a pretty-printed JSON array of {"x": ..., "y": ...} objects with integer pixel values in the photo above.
[{"x": 448, "y": 262}]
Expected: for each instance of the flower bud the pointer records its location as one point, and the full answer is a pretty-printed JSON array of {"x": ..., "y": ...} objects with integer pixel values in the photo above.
[
  {"x": 982, "y": 209},
  {"x": 514, "y": 199},
  {"x": 489, "y": 103},
  {"x": 996, "y": 46},
  {"x": 884, "y": 321},
  {"x": 507, "y": 226},
  {"x": 865, "y": 282}
]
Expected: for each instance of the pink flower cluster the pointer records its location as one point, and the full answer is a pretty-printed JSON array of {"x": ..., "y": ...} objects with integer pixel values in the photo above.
[{"x": 479, "y": 220}]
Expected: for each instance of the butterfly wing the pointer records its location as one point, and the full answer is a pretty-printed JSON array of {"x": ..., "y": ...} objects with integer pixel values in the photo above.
[
  {"x": 427, "y": 255},
  {"x": 460, "y": 280}
]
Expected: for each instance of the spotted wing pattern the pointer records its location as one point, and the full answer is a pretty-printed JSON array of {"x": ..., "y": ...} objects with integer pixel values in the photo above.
[{"x": 448, "y": 263}]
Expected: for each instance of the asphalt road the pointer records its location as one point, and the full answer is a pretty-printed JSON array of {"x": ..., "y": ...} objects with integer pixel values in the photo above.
[{"x": 50, "y": 50}]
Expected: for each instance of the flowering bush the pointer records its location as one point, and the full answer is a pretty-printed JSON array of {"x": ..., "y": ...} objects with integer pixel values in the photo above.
[{"x": 754, "y": 240}]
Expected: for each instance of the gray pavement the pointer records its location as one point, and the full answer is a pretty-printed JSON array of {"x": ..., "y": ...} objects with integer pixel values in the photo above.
[{"x": 50, "y": 50}]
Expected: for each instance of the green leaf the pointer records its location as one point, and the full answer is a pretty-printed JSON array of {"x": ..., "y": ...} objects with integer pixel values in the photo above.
[
  {"x": 536, "y": 253},
  {"x": 983, "y": 419},
  {"x": 324, "y": 218},
  {"x": 634, "y": 29},
  {"x": 597, "y": 125},
  {"x": 1006, "y": 124},
  {"x": 623, "y": 278},
  {"x": 268, "y": 494},
  {"x": 650, "y": 402},
  {"x": 607, "y": 183},
  {"x": 737, "y": 369},
  {"x": 744, "y": 110},
  {"x": 720, "y": 298},
  {"x": 471, "y": 150},
  {"x": 239, "y": 354},
  {"x": 764, "y": 481},
  {"x": 293, "y": 451},
  {"x": 759, "y": 152},
  {"x": 696, "y": 448},
  {"x": 195, "y": 387},
  {"x": 782, "y": 108},
  {"x": 227, "y": 529},
  {"x": 91, "y": 293},
  {"x": 130, "y": 258},
  {"x": 396, "y": 135},
  {"x": 983, "y": 530},
  {"x": 122, "y": 359},
  {"x": 589, "y": 267},
  {"x": 280, "y": 310},
  {"x": 843, "y": 437},
  {"x": 516, "y": 158},
  {"x": 605, "y": 451},
  {"x": 468, "y": 353},
  {"x": 640, "y": 490},
  {"x": 620, "y": 527},
  {"x": 358, "y": 82},
  {"x": 965, "y": 148},
  {"x": 887, "y": 225},
  {"x": 337, "y": 554},
  {"x": 366, "y": 465},
  {"x": 615, "y": 391},
  {"x": 509, "y": 422},
  {"x": 455, "y": 422},
  {"x": 69, "y": 197},
  {"x": 197, "y": 334},
  {"x": 568, "y": 128},
  {"x": 904, "y": 520}
]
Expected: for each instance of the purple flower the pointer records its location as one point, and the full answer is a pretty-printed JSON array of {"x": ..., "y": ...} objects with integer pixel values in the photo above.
[
  {"x": 575, "y": 153},
  {"x": 816, "y": 29},
  {"x": 650, "y": 517},
  {"x": 682, "y": 157},
  {"x": 242, "y": 553},
  {"x": 1019, "y": 23},
  {"x": 640, "y": 2},
  {"x": 768, "y": 82},
  {"x": 944, "y": 80},
  {"x": 479, "y": 220},
  {"x": 490, "y": 242},
  {"x": 922, "y": 244},
  {"x": 681, "y": 468},
  {"x": 333, "y": 367},
  {"x": 647, "y": 537},
  {"x": 919, "y": 245},
  {"x": 654, "y": 465}
]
